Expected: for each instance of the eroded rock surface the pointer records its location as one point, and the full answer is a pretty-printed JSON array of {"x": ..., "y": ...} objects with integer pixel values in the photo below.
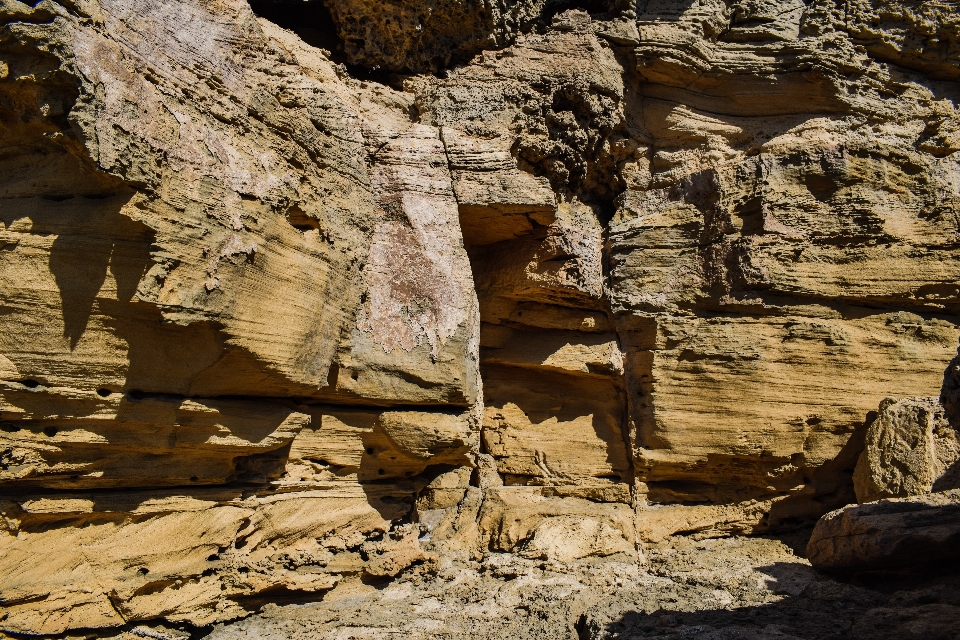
[
  {"x": 757, "y": 257},
  {"x": 201, "y": 268},
  {"x": 722, "y": 588},
  {"x": 910, "y": 450},
  {"x": 385, "y": 286},
  {"x": 919, "y": 533}
]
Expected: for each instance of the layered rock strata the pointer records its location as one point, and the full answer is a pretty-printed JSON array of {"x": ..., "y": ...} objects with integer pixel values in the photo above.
[
  {"x": 756, "y": 264},
  {"x": 581, "y": 279},
  {"x": 203, "y": 269}
]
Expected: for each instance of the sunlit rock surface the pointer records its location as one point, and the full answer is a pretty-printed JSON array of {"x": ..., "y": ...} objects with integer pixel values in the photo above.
[{"x": 297, "y": 295}]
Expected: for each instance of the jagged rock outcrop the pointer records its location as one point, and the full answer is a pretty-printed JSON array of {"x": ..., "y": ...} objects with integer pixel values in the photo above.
[
  {"x": 551, "y": 365},
  {"x": 289, "y": 304},
  {"x": 429, "y": 36},
  {"x": 760, "y": 260},
  {"x": 202, "y": 267}
]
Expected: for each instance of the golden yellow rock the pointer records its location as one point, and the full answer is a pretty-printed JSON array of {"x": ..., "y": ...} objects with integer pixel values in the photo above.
[{"x": 297, "y": 297}]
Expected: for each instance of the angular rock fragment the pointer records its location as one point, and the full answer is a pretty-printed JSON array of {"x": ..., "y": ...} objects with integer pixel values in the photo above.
[{"x": 553, "y": 527}]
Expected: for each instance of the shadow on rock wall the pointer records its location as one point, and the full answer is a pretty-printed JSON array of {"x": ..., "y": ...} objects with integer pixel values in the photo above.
[{"x": 86, "y": 248}]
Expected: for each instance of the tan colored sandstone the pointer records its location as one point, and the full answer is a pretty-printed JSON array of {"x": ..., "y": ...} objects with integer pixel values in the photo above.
[{"x": 271, "y": 326}]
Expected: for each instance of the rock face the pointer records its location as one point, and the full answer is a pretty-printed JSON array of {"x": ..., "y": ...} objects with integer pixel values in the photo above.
[
  {"x": 429, "y": 36},
  {"x": 757, "y": 261},
  {"x": 202, "y": 270},
  {"x": 900, "y": 534},
  {"x": 463, "y": 278}
]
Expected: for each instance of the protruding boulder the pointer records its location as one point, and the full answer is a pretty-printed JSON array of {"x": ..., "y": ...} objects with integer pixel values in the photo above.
[
  {"x": 895, "y": 535},
  {"x": 910, "y": 449}
]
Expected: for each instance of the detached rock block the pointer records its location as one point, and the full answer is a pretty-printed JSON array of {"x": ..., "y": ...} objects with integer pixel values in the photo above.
[
  {"x": 890, "y": 536},
  {"x": 910, "y": 448},
  {"x": 540, "y": 525}
]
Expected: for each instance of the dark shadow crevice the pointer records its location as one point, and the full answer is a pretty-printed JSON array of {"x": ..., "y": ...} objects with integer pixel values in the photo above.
[{"x": 378, "y": 42}]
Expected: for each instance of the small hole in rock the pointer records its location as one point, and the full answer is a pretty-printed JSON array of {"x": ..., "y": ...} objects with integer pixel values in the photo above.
[
  {"x": 104, "y": 393},
  {"x": 30, "y": 384},
  {"x": 50, "y": 431},
  {"x": 9, "y": 427},
  {"x": 143, "y": 571},
  {"x": 207, "y": 573},
  {"x": 302, "y": 221},
  {"x": 370, "y": 450},
  {"x": 213, "y": 557},
  {"x": 354, "y": 375},
  {"x": 381, "y": 471},
  {"x": 194, "y": 479}
]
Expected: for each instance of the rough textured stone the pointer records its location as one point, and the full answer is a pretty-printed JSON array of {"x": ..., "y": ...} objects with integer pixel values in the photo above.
[
  {"x": 751, "y": 588},
  {"x": 919, "y": 533},
  {"x": 950, "y": 392},
  {"x": 910, "y": 450},
  {"x": 429, "y": 36},
  {"x": 553, "y": 279},
  {"x": 191, "y": 556},
  {"x": 198, "y": 258},
  {"x": 758, "y": 272}
]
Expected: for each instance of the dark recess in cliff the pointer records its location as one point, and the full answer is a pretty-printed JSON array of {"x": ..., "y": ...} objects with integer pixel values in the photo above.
[
  {"x": 309, "y": 20},
  {"x": 429, "y": 37}
]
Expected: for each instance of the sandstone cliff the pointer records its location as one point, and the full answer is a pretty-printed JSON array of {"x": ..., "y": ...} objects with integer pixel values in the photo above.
[{"x": 294, "y": 292}]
